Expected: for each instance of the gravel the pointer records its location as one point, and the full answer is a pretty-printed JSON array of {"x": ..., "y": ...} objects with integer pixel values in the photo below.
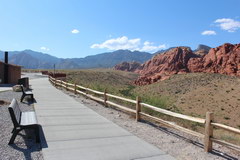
[
  {"x": 178, "y": 144},
  {"x": 24, "y": 146}
]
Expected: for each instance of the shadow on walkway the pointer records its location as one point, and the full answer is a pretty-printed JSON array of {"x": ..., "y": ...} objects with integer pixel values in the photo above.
[
  {"x": 29, "y": 102},
  {"x": 31, "y": 145}
]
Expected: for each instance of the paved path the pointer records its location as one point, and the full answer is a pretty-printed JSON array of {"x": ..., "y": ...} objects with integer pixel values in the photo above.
[
  {"x": 2, "y": 89},
  {"x": 73, "y": 131},
  {"x": 5, "y": 87}
]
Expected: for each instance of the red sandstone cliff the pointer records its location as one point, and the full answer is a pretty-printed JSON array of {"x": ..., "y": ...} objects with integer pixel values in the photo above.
[
  {"x": 224, "y": 59},
  {"x": 164, "y": 65}
]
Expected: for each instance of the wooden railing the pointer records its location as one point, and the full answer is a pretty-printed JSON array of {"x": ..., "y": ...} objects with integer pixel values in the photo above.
[{"x": 209, "y": 122}]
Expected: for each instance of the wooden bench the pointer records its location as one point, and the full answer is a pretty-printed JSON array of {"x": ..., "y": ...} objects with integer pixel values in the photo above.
[
  {"x": 22, "y": 120},
  {"x": 26, "y": 93}
]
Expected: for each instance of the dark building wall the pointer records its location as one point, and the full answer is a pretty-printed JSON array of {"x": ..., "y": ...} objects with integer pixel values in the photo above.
[
  {"x": 1, "y": 72},
  {"x": 14, "y": 73}
]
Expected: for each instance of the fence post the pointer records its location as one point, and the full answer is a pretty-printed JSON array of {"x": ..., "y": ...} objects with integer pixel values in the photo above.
[
  {"x": 138, "y": 108},
  {"x": 105, "y": 97},
  {"x": 66, "y": 86},
  {"x": 75, "y": 88},
  {"x": 55, "y": 82},
  {"x": 87, "y": 91},
  {"x": 208, "y": 132}
]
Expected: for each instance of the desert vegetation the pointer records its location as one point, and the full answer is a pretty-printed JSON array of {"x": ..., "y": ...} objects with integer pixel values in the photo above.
[{"x": 191, "y": 94}]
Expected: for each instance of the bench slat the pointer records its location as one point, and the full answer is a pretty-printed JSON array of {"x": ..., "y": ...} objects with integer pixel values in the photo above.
[
  {"x": 22, "y": 120},
  {"x": 28, "y": 118},
  {"x": 28, "y": 92},
  {"x": 16, "y": 110}
]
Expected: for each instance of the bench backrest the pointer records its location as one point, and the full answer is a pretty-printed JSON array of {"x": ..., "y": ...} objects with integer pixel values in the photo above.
[{"x": 15, "y": 112}]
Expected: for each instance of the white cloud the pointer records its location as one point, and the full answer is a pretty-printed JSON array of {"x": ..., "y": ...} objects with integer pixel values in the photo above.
[
  {"x": 208, "y": 33},
  {"x": 45, "y": 48},
  {"x": 149, "y": 47},
  {"x": 130, "y": 44},
  {"x": 119, "y": 43},
  {"x": 228, "y": 24},
  {"x": 75, "y": 31}
]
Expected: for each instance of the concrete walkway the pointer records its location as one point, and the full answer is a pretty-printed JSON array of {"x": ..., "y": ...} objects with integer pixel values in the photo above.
[
  {"x": 73, "y": 131},
  {"x": 5, "y": 87}
]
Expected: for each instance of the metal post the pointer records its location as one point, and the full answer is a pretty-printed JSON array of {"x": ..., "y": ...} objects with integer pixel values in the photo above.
[{"x": 6, "y": 68}]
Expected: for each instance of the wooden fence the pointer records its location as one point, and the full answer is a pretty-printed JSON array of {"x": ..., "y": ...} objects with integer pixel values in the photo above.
[{"x": 209, "y": 122}]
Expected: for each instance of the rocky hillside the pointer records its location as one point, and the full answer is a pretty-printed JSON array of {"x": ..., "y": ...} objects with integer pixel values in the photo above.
[
  {"x": 224, "y": 59},
  {"x": 128, "y": 66},
  {"x": 161, "y": 66}
]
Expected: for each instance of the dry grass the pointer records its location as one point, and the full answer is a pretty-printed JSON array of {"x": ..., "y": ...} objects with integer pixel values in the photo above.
[
  {"x": 192, "y": 94},
  {"x": 196, "y": 93},
  {"x": 101, "y": 79}
]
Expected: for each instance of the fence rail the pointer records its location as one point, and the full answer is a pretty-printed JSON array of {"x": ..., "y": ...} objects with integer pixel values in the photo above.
[{"x": 209, "y": 122}]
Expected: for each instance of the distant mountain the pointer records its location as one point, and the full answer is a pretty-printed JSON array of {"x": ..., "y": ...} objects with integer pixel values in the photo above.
[
  {"x": 202, "y": 50},
  {"x": 9, "y": 54},
  {"x": 43, "y": 56},
  {"x": 37, "y": 60},
  {"x": 28, "y": 61},
  {"x": 31, "y": 59},
  {"x": 110, "y": 59},
  {"x": 203, "y": 47}
]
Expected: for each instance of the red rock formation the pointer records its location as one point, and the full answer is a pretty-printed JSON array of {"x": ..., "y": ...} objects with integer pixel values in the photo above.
[
  {"x": 164, "y": 65},
  {"x": 224, "y": 59},
  {"x": 128, "y": 66}
]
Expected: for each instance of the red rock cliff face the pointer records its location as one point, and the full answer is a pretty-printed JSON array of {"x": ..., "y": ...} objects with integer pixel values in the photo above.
[
  {"x": 164, "y": 65},
  {"x": 224, "y": 59}
]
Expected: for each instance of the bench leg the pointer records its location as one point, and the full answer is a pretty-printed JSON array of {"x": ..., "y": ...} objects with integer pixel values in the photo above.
[
  {"x": 15, "y": 132},
  {"x": 37, "y": 134},
  {"x": 32, "y": 98},
  {"x": 22, "y": 97}
]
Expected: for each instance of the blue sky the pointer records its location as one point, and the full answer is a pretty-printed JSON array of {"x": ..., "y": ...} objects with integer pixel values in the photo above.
[{"x": 78, "y": 28}]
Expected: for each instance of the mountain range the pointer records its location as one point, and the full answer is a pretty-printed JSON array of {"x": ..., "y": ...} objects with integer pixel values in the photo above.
[
  {"x": 37, "y": 60},
  {"x": 30, "y": 59}
]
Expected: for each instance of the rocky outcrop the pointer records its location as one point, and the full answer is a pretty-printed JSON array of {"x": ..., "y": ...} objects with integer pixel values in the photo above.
[
  {"x": 128, "y": 66},
  {"x": 17, "y": 88},
  {"x": 224, "y": 59},
  {"x": 164, "y": 65}
]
